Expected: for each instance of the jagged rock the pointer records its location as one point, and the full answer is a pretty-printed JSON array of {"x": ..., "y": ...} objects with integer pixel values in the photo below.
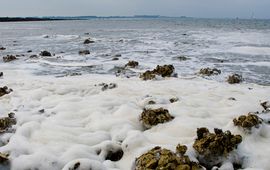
[
  {"x": 212, "y": 148},
  {"x": 152, "y": 117},
  {"x": 174, "y": 99},
  {"x": 88, "y": 41},
  {"x": 2, "y": 48},
  {"x": 235, "y": 78},
  {"x": 164, "y": 159},
  {"x": 7, "y": 122},
  {"x": 266, "y": 105},
  {"x": 4, "y": 90},
  {"x": 164, "y": 71},
  {"x": 9, "y": 58},
  {"x": 247, "y": 121},
  {"x": 84, "y": 52},
  {"x": 132, "y": 64},
  {"x": 209, "y": 71},
  {"x": 105, "y": 86},
  {"x": 45, "y": 54}
]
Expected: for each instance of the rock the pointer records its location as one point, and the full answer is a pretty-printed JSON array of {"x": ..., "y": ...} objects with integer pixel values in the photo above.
[
  {"x": 84, "y": 52},
  {"x": 132, "y": 64},
  {"x": 88, "y": 41},
  {"x": 174, "y": 99},
  {"x": 163, "y": 71},
  {"x": 9, "y": 58},
  {"x": 106, "y": 86},
  {"x": 265, "y": 105},
  {"x": 4, "y": 90},
  {"x": 2, "y": 48},
  {"x": 164, "y": 159},
  {"x": 114, "y": 155},
  {"x": 7, "y": 122},
  {"x": 1, "y": 74},
  {"x": 46, "y": 36},
  {"x": 182, "y": 58},
  {"x": 235, "y": 78},
  {"x": 152, "y": 117},
  {"x": 181, "y": 149},
  {"x": 29, "y": 51},
  {"x": 3, "y": 158},
  {"x": 33, "y": 56},
  {"x": 209, "y": 72},
  {"x": 213, "y": 148},
  {"x": 45, "y": 54},
  {"x": 117, "y": 55},
  {"x": 247, "y": 121},
  {"x": 115, "y": 58},
  {"x": 151, "y": 102},
  {"x": 231, "y": 98}
]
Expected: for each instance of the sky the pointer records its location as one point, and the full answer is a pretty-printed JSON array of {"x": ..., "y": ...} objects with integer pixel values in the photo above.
[{"x": 191, "y": 8}]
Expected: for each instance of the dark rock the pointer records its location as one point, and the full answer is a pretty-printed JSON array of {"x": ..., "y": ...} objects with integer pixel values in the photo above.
[
  {"x": 2, "y": 48},
  {"x": 117, "y": 55},
  {"x": 265, "y": 105},
  {"x": 115, "y": 58},
  {"x": 105, "y": 86},
  {"x": 213, "y": 148},
  {"x": 29, "y": 51},
  {"x": 7, "y": 122},
  {"x": 163, "y": 71},
  {"x": 164, "y": 159},
  {"x": 182, "y": 58},
  {"x": 88, "y": 41},
  {"x": 3, "y": 158},
  {"x": 9, "y": 58},
  {"x": 33, "y": 56},
  {"x": 84, "y": 52},
  {"x": 247, "y": 121},
  {"x": 1, "y": 74},
  {"x": 231, "y": 98},
  {"x": 174, "y": 99},
  {"x": 209, "y": 72},
  {"x": 235, "y": 78},
  {"x": 151, "y": 102},
  {"x": 45, "y": 54},
  {"x": 4, "y": 90},
  {"x": 132, "y": 64},
  {"x": 114, "y": 155},
  {"x": 152, "y": 117}
]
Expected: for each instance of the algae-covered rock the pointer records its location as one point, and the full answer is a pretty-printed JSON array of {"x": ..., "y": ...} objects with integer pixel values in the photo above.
[
  {"x": 266, "y": 105},
  {"x": 235, "y": 78},
  {"x": 247, "y": 121},
  {"x": 132, "y": 64},
  {"x": 4, "y": 90},
  {"x": 84, "y": 52},
  {"x": 209, "y": 71},
  {"x": 7, "y": 122},
  {"x": 152, "y": 117},
  {"x": 88, "y": 41},
  {"x": 45, "y": 54},
  {"x": 164, "y": 159},
  {"x": 212, "y": 148},
  {"x": 163, "y": 71},
  {"x": 9, "y": 58}
]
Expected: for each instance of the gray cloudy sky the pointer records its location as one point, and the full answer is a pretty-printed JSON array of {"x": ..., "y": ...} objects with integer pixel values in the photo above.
[{"x": 194, "y": 8}]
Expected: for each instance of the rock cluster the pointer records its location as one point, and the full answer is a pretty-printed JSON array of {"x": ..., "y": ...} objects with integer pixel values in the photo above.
[
  {"x": 164, "y": 159},
  {"x": 247, "y": 121},
  {"x": 132, "y": 64},
  {"x": 152, "y": 117},
  {"x": 163, "y": 71},
  {"x": 88, "y": 41},
  {"x": 84, "y": 52},
  {"x": 235, "y": 78},
  {"x": 212, "y": 148},
  {"x": 7, "y": 122},
  {"x": 209, "y": 71},
  {"x": 4, "y": 90},
  {"x": 9, "y": 58},
  {"x": 45, "y": 54}
]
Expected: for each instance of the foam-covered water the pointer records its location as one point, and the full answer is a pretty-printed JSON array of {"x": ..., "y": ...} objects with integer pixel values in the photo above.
[{"x": 63, "y": 120}]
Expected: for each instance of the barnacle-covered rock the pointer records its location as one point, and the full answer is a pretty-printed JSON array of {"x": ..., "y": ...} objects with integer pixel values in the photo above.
[
  {"x": 84, "y": 52},
  {"x": 164, "y": 159},
  {"x": 152, "y": 117},
  {"x": 45, "y": 54},
  {"x": 209, "y": 71},
  {"x": 266, "y": 105},
  {"x": 7, "y": 122},
  {"x": 163, "y": 71},
  {"x": 132, "y": 64},
  {"x": 9, "y": 58},
  {"x": 212, "y": 148},
  {"x": 88, "y": 41},
  {"x": 235, "y": 78},
  {"x": 4, "y": 90},
  {"x": 247, "y": 121}
]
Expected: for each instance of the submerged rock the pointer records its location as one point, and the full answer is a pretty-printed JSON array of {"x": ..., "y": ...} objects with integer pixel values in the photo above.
[
  {"x": 9, "y": 58},
  {"x": 33, "y": 56},
  {"x": 209, "y": 71},
  {"x": 182, "y": 58},
  {"x": 152, "y": 117},
  {"x": 235, "y": 78},
  {"x": 266, "y": 105},
  {"x": 7, "y": 122},
  {"x": 105, "y": 86},
  {"x": 247, "y": 121},
  {"x": 2, "y": 48},
  {"x": 45, "y": 54},
  {"x": 4, "y": 90},
  {"x": 174, "y": 99},
  {"x": 164, "y": 159},
  {"x": 212, "y": 148},
  {"x": 132, "y": 64},
  {"x": 163, "y": 71},
  {"x": 84, "y": 52},
  {"x": 115, "y": 58},
  {"x": 88, "y": 41}
]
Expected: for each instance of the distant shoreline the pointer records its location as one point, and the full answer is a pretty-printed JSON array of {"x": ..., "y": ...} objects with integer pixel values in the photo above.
[{"x": 19, "y": 19}]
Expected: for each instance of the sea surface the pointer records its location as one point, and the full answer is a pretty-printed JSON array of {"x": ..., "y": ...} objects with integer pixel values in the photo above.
[{"x": 232, "y": 45}]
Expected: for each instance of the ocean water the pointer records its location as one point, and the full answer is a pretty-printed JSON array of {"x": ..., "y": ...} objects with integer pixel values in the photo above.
[{"x": 64, "y": 119}]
